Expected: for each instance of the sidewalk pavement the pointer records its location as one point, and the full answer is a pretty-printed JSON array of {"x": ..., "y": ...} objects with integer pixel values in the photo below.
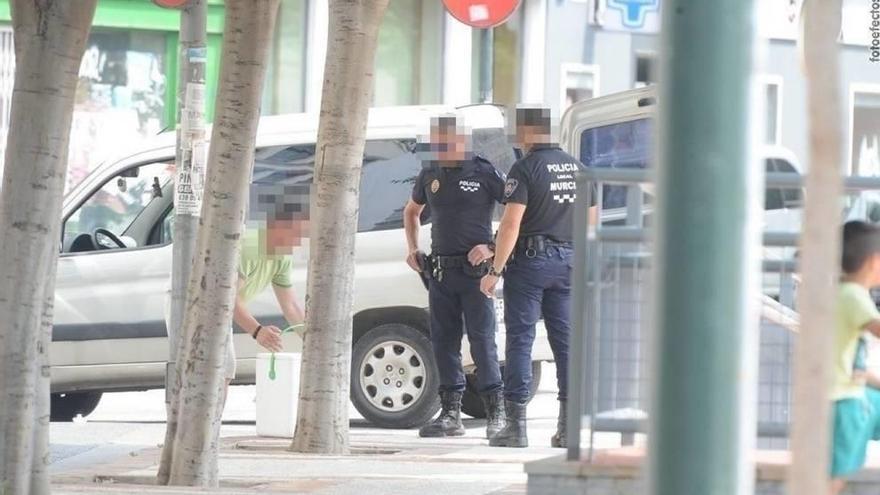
[{"x": 382, "y": 462}]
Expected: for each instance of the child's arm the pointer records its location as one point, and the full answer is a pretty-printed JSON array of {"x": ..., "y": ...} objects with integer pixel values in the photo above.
[
  {"x": 872, "y": 379},
  {"x": 873, "y": 326}
]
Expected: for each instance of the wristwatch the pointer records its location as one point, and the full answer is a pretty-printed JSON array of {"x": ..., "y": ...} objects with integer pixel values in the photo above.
[{"x": 495, "y": 273}]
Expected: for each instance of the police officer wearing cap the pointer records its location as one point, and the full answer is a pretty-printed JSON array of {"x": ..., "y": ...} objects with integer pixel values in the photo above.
[
  {"x": 461, "y": 191},
  {"x": 535, "y": 236}
]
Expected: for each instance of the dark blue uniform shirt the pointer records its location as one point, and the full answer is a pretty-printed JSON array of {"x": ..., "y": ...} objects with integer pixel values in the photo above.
[
  {"x": 461, "y": 201},
  {"x": 544, "y": 181}
]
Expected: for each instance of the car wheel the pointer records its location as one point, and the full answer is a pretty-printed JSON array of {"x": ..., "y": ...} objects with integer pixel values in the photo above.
[
  {"x": 65, "y": 407},
  {"x": 394, "y": 377},
  {"x": 472, "y": 403}
]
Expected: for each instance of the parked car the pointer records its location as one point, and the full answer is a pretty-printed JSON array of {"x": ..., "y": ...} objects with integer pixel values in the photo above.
[{"x": 109, "y": 332}]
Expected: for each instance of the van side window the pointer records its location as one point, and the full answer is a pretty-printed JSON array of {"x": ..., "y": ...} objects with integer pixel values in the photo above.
[
  {"x": 622, "y": 145},
  {"x": 127, "y": 205},
  {"x": 389, "y": 171}
]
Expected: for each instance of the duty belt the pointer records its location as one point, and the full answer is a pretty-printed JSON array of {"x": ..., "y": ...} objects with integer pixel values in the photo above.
[
  {"x": 441, "y": 263},
  {"x": 533, "y": 245}
]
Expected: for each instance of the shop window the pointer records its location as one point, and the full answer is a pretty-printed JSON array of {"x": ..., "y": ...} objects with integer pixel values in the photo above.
[
  {"x": 771, "y": 86},
  {"x": 865, "y": 130},
  {"x": 409, "y": 51},
  {"x": 579, "y": 82},
  {"x": 120, "y": 97},
  {"x": 507, "y": 59},
  {"x": 285, "y": 85},
  {"x": 646, "y": 70}
]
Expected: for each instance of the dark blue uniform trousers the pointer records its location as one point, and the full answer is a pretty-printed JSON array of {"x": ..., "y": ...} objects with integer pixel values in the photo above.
[
  {"x": 458, "y": 295},
  {"x": 532, "y": 287}
]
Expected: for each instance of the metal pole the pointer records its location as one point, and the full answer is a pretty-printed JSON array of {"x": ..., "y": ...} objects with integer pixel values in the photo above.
[
  {"x": 487, "y": 42},
  {"x": 579, "y": 358},
  {"x": 190, "y": 165},
  {"x": 703, "y": 398}
]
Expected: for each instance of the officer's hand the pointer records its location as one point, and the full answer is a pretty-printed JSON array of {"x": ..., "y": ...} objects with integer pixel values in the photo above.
[
  {"x": 412, "y": 259},
  {"x": 487, "y": 285},
  {"x": 270, "y": 338},
  {"x": 479, "y": 254}
]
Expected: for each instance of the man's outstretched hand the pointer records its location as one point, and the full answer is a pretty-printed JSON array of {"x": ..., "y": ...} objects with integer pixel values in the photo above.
[{"x": 270, "y": 338}]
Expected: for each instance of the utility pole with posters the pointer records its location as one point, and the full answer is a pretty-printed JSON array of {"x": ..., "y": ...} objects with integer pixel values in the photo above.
[
  {"x": 483, "y": 15},
  {"x": 188, "y": 188}
]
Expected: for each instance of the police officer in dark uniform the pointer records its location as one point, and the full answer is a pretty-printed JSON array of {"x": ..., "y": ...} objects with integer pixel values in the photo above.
[
  {"x": 536, "y": 236},
  {"x": 461, "y": 190}
]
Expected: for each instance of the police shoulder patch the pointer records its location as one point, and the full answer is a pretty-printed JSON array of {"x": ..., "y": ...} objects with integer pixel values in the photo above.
[
  {"x": 510, "y": 187},
  {"x": 435, "y": 186}
]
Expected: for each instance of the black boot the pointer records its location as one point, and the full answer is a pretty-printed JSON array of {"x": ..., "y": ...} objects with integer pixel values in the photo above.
[
  {"x": 494, "y": 403},
  {"x": 448, "y": 423},
  {"x": 514, "y": 432},
  {"x": 558, "y": 440}
]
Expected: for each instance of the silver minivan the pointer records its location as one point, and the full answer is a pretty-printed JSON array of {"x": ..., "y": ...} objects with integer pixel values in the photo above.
[{"x": 114, "y": 268}]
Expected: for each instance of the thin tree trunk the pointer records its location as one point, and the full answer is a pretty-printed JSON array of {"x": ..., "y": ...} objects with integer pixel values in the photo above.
[
  {"x": 322, "y": 425},
  {"x": 820, "y": 248},
  {"x": 50, "y": 37},
  {"x": 188, "y": 191},
  {"x": 213, "y": 281}
]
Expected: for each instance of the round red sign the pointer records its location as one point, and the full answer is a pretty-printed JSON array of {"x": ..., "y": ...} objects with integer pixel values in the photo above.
[
  {"x": 171, "y": 4},
  {"x": 481, "y": 13}
]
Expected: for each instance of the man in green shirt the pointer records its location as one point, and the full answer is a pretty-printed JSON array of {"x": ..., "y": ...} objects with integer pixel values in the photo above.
[{"x": 278, "y": 223}]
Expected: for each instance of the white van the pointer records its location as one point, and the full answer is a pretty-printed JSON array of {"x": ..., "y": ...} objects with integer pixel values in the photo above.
[
  {"x": 109, "y": 332},
  {"x": 618, "y": 131}
]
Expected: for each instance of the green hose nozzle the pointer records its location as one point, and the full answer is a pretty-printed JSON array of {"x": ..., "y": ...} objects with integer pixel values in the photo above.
[{"x": 272, "y": 358}]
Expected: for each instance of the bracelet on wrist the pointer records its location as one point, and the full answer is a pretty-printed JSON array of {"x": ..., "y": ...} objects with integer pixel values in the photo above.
[
  {"x": 257, "y": 331},
  {"x": 494, "y": 272}
]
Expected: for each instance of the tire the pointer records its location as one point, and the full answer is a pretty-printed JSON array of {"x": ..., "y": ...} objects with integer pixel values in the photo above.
[
  {"x": 65, "y": 407},
  {"x": 472, "y": 403},
  {"x": 394, "y": 379}
]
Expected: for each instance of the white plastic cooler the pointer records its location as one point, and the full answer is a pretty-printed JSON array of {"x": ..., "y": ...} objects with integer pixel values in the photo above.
[{"x": 277, "y": 399}]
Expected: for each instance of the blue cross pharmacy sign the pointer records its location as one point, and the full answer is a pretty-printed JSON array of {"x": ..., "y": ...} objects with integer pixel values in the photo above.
[{"x": 641, "y": 16}]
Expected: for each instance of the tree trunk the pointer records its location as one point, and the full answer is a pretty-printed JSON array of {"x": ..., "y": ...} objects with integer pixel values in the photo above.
[
  {"x": 322, "y": 425},
  {"x": 213, "y": 281},
  {"x": 820, "y": 250},
  {"x": 50, "y": 37},
  {"x": 188, "y": 192}
]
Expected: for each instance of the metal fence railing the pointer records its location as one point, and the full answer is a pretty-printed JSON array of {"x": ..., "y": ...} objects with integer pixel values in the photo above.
[{"x": 609, "y": 375}]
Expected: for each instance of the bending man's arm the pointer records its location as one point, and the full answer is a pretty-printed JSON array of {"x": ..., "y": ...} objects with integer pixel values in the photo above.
[
  {"x": 289, "y": 305},
  {"x": 269, "y": 336}
]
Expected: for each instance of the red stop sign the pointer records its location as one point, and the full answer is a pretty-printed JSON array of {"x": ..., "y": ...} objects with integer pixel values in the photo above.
[
  {"x": 481, "y": 13},
  {"x": 170, "y": 4}
]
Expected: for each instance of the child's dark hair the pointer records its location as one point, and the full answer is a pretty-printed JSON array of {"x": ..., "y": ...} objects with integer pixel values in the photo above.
[{"x": 861, "y": 240}]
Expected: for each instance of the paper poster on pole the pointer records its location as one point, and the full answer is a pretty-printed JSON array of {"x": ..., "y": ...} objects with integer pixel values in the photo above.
[
  {"x": 191, "y": 173},
  {"x": 191, "y": 180},
  {"x": 194, "y": 108}
]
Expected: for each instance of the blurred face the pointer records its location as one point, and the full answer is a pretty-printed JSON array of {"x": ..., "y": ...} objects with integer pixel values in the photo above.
[
  {"x": 449, "y": 144},
  {"x": 284, "y": 235},
  {"x": 527, "y": 135}
]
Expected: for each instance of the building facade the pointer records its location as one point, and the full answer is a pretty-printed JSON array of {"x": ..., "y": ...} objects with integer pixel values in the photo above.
[{"x": 550, "y": 51}]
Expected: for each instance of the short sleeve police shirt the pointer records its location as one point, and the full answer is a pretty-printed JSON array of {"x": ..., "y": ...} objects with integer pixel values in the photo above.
[
  {"x": 544, "y": 181},
  {"x": 462, "y": 200}
]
